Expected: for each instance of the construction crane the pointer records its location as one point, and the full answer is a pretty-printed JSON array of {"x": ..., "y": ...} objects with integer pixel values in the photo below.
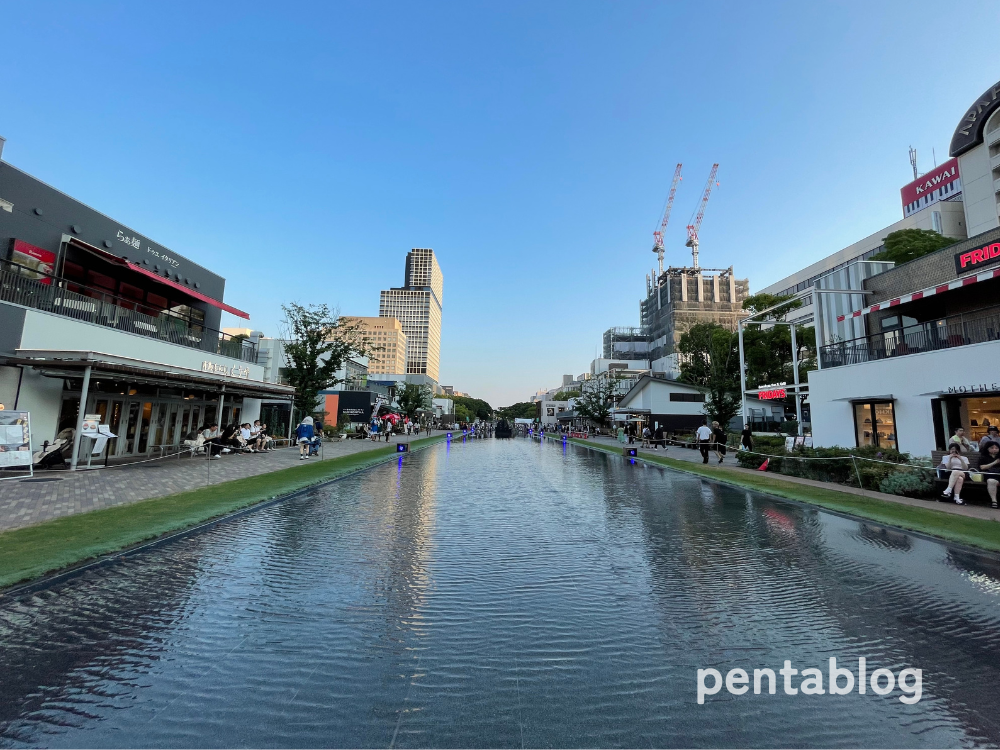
[
  {"x": 658, "y": 234},
  {"x": 696, "y": 224}
]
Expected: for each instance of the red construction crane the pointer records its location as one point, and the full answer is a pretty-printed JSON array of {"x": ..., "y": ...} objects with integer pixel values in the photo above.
[
  {"x": 696, "y": 224},
  {"x": 658, "y": 234}
]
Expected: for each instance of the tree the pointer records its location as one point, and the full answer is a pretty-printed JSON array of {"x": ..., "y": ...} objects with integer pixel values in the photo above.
[
  {"x": 566, "y": 395},
  {"x": 476, "y": 407},
  {"x": 756, "y": 303},
  {"x": 412, "y": 398},
  {"x": 909, "y": 244},
  {"x": 520, "y": 410},
  {"x": 711, "y": 360},
  {"x": 316, "y": 344},
  {"x": 596, "y": 402}
]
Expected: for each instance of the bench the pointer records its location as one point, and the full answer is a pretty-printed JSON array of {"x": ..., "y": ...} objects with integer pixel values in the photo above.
[{"x": 972, "y": 492}]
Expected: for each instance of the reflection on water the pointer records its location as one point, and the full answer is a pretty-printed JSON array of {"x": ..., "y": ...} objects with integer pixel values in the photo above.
[{"x": 505, "y": 593}]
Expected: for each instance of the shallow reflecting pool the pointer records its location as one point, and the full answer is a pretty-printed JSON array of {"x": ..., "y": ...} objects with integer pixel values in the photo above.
[{"x": 506, "y": 593}]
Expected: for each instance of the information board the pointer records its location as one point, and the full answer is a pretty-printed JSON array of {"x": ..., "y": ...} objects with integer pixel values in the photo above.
[{"x": 15, "y": 438}]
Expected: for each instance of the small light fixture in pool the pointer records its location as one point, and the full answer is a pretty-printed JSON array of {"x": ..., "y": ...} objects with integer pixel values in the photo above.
[
  {"x": 402, "y": 448},
  {"x": 630, "y": 452},
  {"x": 449, "y": 436},
  {"x": 631, "y": 460}
]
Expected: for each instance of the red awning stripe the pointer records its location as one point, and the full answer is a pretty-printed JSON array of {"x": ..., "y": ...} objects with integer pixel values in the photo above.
[
  {"x": 940, "y": 288},
  {"x": 111, "y": 257},
  {"x": 197, "y": 295}
]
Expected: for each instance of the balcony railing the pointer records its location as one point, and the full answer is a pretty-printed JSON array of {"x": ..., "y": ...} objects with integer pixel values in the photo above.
[
  {"x": 974, "y": 327},
  {"x": 31, "y": 288}
]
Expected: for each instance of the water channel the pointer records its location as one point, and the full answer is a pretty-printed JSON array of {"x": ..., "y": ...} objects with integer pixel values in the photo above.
[{"x": 505, "y": 594}]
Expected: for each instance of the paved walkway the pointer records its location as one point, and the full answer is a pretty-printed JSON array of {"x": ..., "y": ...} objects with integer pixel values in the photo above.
[
  {"x": 55, "y": 494},
  {"x": 694, "y": 456}
]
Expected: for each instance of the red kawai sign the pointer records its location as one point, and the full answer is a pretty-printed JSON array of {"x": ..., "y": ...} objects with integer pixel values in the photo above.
[{"x": 977, "y": 258}]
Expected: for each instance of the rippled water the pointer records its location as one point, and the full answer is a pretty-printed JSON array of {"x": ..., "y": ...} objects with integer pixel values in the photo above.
[{"x": 503, "y": 593}]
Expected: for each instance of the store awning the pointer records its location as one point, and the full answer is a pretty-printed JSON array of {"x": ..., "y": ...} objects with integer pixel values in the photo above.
[
  {"x": 71, "y": 364},
  {"x": 112, "y": 258}
]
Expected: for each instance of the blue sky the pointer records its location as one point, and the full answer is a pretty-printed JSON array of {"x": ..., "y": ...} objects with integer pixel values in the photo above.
[{"x": 301, "y": 149}]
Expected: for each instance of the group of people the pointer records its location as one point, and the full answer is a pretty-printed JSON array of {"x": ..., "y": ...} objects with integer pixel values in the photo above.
[
  {"x": 234, "y": 438},
  {"x": 956, "y": 464}
]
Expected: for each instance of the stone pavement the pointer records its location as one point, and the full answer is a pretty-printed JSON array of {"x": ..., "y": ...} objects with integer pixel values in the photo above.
[
  {"x": 687, "y": 454},
  {"x": 55, "y": 494}
]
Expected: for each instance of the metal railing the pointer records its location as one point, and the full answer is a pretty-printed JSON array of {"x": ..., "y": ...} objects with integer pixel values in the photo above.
[
  {"x": 30, "y": 288},
  {"x": 975, "y": 327}
]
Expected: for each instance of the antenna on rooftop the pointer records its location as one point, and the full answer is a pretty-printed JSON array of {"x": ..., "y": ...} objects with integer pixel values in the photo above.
[{"x": 913, "y": 162}]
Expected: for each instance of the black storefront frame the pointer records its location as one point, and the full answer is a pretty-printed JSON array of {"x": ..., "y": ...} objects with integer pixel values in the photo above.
[{"x": 871, "y": 403}]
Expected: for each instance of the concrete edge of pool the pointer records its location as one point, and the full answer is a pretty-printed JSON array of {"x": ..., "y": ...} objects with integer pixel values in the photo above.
[
  {"x": 974, "y": 534},
  {"x": 77, "y": 550}
]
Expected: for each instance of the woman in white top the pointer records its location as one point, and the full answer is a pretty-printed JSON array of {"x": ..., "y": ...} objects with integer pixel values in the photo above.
[{"x": 958, "y": 465}]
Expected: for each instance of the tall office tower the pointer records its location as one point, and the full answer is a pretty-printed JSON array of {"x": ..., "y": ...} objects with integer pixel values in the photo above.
[
  {"x": 386, "y": 342},
  {"x": 417, "y": 306}
]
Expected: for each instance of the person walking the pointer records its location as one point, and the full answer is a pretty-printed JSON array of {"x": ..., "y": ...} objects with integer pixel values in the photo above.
[
  {"x": 304, "y": 435},
  {"x": 746, "y": 438},
  {"x": 719, "y": 436},
  {"x": 621, "y": 434},
  {"x": 704, "y": 437},
  {"x": 658, "y": 438}
]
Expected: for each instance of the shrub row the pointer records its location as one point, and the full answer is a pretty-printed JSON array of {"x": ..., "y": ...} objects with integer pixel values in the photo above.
[{"x": 843, "y": 466}]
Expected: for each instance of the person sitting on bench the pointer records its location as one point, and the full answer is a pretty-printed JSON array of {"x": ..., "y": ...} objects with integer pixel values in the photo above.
[
  {"x": 958, "y": 465},
  {"x": 989, "y": 464}
]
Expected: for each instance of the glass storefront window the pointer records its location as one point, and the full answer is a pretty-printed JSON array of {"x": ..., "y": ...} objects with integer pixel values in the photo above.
[
  {"x": 864, "y": 424},
  {"x": 875, "y": 424}
]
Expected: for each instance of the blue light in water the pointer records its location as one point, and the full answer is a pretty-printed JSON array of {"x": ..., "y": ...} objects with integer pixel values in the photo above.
[
  {"x": 449, "y": 436},
  {"x": 631, "y": 460},
  {"x": 400, "y": 465}
]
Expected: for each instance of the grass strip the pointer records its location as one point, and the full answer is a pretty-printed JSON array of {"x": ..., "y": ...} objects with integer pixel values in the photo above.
[
  {"x": 33, "y": 551},
  {"x": 975, "y": 532}
]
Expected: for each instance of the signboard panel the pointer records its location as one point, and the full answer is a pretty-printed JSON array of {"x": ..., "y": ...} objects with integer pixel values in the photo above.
[
  {"x": 987, "y": 255},
  {"x": 36, "y": 259},
  {"x": 15, "y": 439}
]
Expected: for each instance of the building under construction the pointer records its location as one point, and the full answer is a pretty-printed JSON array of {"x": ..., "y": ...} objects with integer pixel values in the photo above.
[{"x": 679, "y": 298}]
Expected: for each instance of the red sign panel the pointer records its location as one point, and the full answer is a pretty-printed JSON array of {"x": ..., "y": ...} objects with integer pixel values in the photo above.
[
  {"x": 36, "y": 260},
  {"x": 981, "y": 256},
  {"x": 771, "y": 395},
  {"x": 928, "y": 183}
]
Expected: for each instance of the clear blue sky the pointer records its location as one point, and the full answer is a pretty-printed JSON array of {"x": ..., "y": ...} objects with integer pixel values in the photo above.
[{"x": 301, "y": 149}]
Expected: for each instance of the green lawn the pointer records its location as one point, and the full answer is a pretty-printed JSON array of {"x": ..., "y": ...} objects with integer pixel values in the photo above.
[
  {"x": 36, "y": 550},
  {"x": 948, "y": 526}
]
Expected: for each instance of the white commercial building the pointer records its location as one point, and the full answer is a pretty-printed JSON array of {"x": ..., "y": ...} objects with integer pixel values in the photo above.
[{"x": 670, "y": 404}]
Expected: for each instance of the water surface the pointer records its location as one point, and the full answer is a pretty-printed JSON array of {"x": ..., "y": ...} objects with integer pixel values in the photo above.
[{"x": 505, "y": 594}]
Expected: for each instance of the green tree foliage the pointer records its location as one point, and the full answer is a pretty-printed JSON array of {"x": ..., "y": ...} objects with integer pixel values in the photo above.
[
  {"x": 316, "y": 344},
  {"x": 412, "y": 398},
  {"x": 909, "y": 244},
  {"x": 520, "y": 410},
  {"x": 476, "y": 407},
  {"x": 711, "y": 360},
  {"x": 761, "y": 301},
  {"x": 566, "y": 395},
  {"x": 462, "y": 414},
  {"x": 596, "y": 402}
]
